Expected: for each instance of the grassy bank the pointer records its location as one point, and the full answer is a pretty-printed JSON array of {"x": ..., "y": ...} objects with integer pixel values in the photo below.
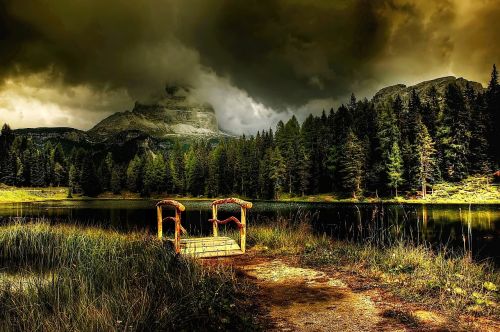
[
  {"x": 415, "y": 273},
  {"x": 67, "y": 278},
  {"x": 15, "y": 195},
  {"x": 473, "y": 190}
]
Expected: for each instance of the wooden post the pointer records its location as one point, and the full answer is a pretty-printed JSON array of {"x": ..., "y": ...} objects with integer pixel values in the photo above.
[
  {"x": 160, "y": 222},
  {"x": 177, "y": 236},
  {"x": 243, "y": 230},
  {"x": 214, "y": 224}
]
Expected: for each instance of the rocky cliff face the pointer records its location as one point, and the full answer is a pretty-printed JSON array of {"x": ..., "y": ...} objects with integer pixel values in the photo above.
[
  {"x": 390, "y": 93},
  {"x": 172, "y": 116}
]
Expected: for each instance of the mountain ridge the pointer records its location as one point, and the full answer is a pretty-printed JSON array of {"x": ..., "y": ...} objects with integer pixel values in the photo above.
[
  {"x": 390, "y": 92},
  {"x": 177, "y": 116}
]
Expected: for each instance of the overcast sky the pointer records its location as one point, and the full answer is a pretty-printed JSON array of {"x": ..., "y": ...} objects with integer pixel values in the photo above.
[{"x": 72, "y": 63}]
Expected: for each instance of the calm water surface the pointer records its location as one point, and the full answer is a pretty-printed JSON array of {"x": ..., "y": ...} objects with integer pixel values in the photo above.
[{"x": 438, "y": 225}]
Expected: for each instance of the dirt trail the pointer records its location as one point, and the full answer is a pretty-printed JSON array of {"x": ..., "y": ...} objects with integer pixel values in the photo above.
[{"x": 304, "y": 299}]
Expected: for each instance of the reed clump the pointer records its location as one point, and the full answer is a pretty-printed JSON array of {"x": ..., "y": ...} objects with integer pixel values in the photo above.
[
  {"x": 285, "y": 237},
  {"x": 89, "y": 279}
]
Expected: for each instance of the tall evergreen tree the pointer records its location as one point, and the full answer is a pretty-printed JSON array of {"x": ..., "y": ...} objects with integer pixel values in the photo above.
[
  {"x": 395, "y": 168},
  {"x": 88, "y": 180},
  {"x": 493, "y": 110},
  {"x": 351, "y": 164},
  {"x": 195, "y": 169},
  {"x": 177, "y": 170},
  {"x": 479, "y": 160},
  {"x": 73, "y": 180},
  {"x": 266, "y": 187},
  {"x": 303, "y": 170},
  {"x": 426, "y": 162},
  {"x": 430, "y": 110},
  {"x": 310, "y": 139},
  {"x": 387, "y": 134},
  {"x": 134, "y": 174},
  {"x": 278, "y": 172},
  {"x": 398, "y": 109},
  {"x": 455, "y": 134}
]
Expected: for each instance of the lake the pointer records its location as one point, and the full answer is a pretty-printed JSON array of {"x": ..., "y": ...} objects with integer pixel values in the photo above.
[{"x": 438, "y": 225}]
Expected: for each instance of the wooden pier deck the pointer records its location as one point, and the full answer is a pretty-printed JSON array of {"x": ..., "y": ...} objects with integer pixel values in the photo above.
[{"x": 205, "y": 247}]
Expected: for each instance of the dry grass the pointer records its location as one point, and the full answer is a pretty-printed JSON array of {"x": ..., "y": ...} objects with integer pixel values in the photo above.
[{"x": 88, "y": 279}]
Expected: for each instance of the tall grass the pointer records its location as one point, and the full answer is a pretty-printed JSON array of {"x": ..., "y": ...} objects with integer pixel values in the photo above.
[
  {"x": 413, "y": 270},
  {"x": 88, "y": 279}
]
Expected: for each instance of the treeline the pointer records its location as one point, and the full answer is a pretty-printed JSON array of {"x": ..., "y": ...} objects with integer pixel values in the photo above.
[{"x": 358, "y": 149}]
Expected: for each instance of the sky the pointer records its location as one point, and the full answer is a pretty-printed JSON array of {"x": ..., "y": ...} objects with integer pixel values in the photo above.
[{"x": 72, "y": 63}]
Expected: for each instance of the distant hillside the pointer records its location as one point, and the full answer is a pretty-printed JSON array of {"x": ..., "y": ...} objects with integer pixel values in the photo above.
[
  {"x": 64, "y": 135},
  {"x": 70, "y": 134},
  {"x": 390, "y": 92}
]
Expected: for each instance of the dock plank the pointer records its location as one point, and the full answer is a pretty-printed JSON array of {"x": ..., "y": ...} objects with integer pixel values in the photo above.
[{"x": 210, "y": 247}]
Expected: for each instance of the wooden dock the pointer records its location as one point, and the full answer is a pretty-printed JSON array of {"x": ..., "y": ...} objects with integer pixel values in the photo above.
[
  {"x": 213, "y": 246},
  {"x": 204, "y": 247}
]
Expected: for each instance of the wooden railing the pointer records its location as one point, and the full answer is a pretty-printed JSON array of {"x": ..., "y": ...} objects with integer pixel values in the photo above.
[
  {"x": 177, "y": 220},
  {"x": 240, "y": 223}
]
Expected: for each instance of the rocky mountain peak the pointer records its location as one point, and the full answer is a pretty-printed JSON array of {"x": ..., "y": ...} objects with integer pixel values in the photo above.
[{"x": 173, "y": 114}]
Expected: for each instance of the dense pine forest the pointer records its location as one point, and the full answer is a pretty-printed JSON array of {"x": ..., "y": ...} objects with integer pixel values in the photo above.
[{"x": 360, "y": 149}]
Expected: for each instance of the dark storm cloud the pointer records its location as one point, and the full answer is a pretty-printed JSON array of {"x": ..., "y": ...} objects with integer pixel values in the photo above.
[
  {"x": 122, "y": 43},
  {"x": 290, "y": 51},
  {"x": 266, "y": 56}
]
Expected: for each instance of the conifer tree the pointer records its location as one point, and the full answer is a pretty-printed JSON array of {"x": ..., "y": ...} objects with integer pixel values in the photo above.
[
  {"x": 195, "y": 170},
  {"x": 9, "y": 170},
  {"x": 19, "y": 171},
  {"x": 395, "y": 167},
  {"x": 387, "y": 134},
  {"x": 212, "y": 188},
  {"x": 59, "y": 174},
  {"x": 479, "y": 160},
  {"x": 426, "y": 151},
  {"x": 351, "y": 164},
  {"x": 149, "y": 185},
  {"x": 37, "y": 169},
  {"x": 73, "y": 183},
  {"x": 493, "y": 110},
  {"x": 397, "y": 107},
  {"x": 266, "y": 187},
  {"x": 88, "y": 180},
  {"x": 455, "y": 134},
  {"x": 134, "y": 174},
  {"x": 303, "y": 170},
  {"x": 410, "y": 119},
  {"x": 177, "y": 170},
  {"x": 430, "y": 110},
  {"x": 277, "y": 172},
  {"x": 310, "y": 139}
]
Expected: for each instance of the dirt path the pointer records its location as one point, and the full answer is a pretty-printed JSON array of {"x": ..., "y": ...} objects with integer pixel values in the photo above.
[{"x": 294, "y": 298}]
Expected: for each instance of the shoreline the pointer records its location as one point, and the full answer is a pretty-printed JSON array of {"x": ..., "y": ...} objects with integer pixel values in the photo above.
[{"x": 305, "y": 199}]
